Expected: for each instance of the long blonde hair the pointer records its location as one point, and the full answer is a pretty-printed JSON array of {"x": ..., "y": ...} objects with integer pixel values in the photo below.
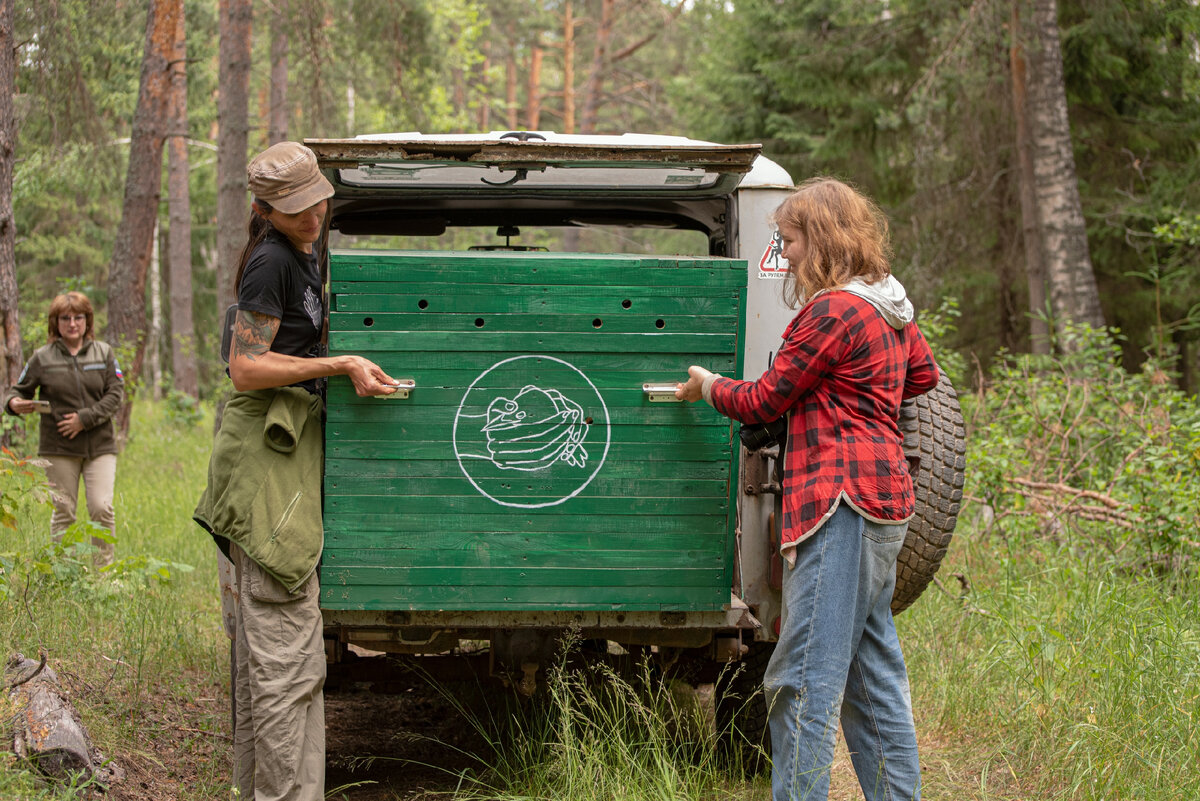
[{"x": 845, "y": 235}]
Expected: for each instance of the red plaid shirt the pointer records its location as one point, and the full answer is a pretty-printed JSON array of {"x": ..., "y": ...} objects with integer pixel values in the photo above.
[{"x": 842, "y": 372}]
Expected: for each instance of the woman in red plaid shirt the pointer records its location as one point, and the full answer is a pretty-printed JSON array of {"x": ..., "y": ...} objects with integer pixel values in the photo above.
[{"x": 849, "y": 357}]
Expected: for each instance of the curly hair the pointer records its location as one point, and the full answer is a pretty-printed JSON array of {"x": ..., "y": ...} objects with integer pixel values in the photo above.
[
  {"x": 70, "y": 303},
  {"x": 845, "y": 237}
]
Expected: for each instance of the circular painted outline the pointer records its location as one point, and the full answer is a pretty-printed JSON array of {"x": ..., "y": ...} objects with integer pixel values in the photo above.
[{"x": 603, "y": 456}]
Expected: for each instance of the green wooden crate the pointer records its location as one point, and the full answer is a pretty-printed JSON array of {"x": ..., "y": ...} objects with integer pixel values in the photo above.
[{"x": 529, "y": 470}]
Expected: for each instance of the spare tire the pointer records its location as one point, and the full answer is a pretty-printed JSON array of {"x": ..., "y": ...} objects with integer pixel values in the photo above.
[{"x": 935, "y": 444}]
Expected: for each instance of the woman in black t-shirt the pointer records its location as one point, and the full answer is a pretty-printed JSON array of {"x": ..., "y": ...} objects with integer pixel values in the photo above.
[{"x": 279, "y": 737}]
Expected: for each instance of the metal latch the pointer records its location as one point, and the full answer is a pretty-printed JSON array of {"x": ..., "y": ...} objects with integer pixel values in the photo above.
[
  {"x": 403, "y": 387},
  {"x": 661, "y": 393}
]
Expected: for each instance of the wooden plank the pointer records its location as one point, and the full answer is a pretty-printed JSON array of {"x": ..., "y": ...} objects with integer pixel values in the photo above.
[
  {"x": 436, "y": 280},
  {"x": 482, "y": 555},
  {"x": 483, "y": 341},
  {"x": 341, "y": 398},
  {"x": 350, "y": 469},
  {"x": 582, "y": 578},
  {"x": 399, "y": 411},
  {"x": 618, "y": 449},
  {"x": 382, "y": 271},
  {"x": 466, "y": 532},
  {"x": 595, "y": 365},
  {"x": 542, "y": 322},
  {"x": 432, "y": 528},
  {"x": 478, "y": 504},
  {"x": 531, "y": 486},
  {"x": 447, "y": 387},
  {"x": 477, "y": 299},
  {"x": 435, "y": 443},
  {"x": 616, "y": 598}
]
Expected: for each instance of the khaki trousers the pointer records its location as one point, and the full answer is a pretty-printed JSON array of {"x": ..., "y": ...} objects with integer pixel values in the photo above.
[
  {"x": 99, "y": 475},
  {"x": 279, "y": 742}
]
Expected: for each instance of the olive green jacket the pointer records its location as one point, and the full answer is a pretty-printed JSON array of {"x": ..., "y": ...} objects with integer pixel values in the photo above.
[
  {"x": 89, "y": 383},
  {"x": 264, "y": 481}
]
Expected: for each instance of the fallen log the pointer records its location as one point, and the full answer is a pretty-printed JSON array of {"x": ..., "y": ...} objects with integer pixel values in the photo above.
[{"x": 46, "y": 730}]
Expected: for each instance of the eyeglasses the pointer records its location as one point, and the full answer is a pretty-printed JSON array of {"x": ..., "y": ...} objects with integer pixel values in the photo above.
[{"x": 72, "y": 318}]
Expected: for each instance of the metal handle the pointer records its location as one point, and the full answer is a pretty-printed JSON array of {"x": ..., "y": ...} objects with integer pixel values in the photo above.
[
  {"x": 403, "y": 387},
  {"x": 661, "y": 392}
]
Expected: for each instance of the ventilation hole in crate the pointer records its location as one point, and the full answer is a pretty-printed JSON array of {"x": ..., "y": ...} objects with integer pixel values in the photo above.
[
  {"x": 422, "y": 304},
  {"x": 479, "y": 322},
  {"x": 368, "y": 321},
  {"x": 597, "y": 323},
  {"x": 659, "y": 324},
  {"x": 625, "y": 304}
]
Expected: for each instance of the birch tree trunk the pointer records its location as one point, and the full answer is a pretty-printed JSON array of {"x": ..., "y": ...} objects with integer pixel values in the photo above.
[
  {"x": 233, "y": 111},
  {"x": 1071, "y": 281},
  {"x": 1035, "y": 266},
  {"x": 10, "y": 322},
  {"x": 139, "y": 214},
  {"x": 179, "y": 228},
  {"x": 154, "y": 335}
]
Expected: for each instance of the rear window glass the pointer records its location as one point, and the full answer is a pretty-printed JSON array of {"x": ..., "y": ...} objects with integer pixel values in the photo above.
[{"x": 589, "y": 239}]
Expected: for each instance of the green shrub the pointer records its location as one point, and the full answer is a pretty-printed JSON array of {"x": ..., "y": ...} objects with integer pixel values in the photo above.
[
  {"x": 1073, "y": 448},
  {"x": 182, "y": 408}
]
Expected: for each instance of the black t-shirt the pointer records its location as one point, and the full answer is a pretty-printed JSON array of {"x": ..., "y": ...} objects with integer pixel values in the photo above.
[{"x": 284, "y": 283}]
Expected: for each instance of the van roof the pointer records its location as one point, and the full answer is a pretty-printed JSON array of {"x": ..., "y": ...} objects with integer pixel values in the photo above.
[{"x": 534, "y": 161}]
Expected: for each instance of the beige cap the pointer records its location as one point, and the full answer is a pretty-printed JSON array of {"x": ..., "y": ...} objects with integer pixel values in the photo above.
[{"x": 285, "y": 175}]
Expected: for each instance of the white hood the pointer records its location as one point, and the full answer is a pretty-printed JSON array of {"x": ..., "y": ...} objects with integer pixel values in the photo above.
[{"x": 888, "y": 296}]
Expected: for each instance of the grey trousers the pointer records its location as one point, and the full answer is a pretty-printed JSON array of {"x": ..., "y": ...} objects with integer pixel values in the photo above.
[{"x": 279, "y": 745}]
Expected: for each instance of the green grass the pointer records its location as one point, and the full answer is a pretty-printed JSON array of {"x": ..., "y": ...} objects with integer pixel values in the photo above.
[
  {"x": 145, "y": 660},
  {"x": 597, "y": 734},
  {"x": 1056, "y": 676}
]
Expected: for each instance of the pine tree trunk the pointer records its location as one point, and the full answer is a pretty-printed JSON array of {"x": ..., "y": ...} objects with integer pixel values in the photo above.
[
  {"x": 279, "y": 74},
  {"x": 1071, "y": 281},
  {"x": 179, "y": 230},
  {"x": 568, "y": 69},
  {"x": 139, "y": 215},
  {"x": 11, "y": 358},
  {"x": 233, "y": 111},
  {"x": 595, "y": 79},
  {"x": 533, "y": 95}
]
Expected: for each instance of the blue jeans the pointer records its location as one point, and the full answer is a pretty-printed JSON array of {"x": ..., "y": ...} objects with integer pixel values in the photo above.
[{"x": 838, "y": 656}]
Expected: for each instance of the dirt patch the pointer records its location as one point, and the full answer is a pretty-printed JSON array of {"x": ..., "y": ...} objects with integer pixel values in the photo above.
[{"x": 412, "y": 746}]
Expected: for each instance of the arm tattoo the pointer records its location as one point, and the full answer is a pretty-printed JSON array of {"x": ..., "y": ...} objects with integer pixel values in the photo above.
[{"x": 253, "y": 334}]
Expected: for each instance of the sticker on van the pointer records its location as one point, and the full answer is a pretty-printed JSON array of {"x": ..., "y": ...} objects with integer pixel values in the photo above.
[{"x": 772, "y": 264}]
